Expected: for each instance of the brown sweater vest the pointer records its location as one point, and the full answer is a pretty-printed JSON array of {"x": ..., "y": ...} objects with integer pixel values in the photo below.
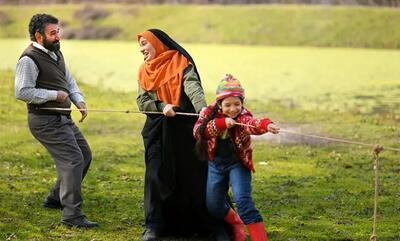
[{"x": 51, "y": 76}]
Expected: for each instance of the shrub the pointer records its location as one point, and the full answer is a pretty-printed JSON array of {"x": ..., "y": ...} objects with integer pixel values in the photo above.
[
  {"x": 4, "y": 19},
  {"x": 89, "y": 13},
  {"x": 91, "y": 32}
]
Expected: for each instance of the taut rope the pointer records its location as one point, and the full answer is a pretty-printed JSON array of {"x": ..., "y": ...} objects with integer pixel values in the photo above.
[
  {"x": 120, "y": 111},
  {"x": 194, "y": 114},
  {"x": 377, "y": 149}
]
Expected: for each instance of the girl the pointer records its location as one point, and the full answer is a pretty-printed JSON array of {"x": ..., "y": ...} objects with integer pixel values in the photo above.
[{"x": 223, "y": 136}]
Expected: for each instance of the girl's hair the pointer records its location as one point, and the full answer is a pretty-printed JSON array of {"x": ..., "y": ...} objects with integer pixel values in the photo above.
[
  {"x": 201, "y": 144},
  {"x": 201, "y": 148}
]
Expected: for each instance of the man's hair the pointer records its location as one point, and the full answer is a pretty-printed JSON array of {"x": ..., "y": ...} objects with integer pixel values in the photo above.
[{"x": 39, "y": 22}]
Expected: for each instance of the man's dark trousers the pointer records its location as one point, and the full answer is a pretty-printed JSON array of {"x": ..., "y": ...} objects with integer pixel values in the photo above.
[{"x": 72, "y": 156}]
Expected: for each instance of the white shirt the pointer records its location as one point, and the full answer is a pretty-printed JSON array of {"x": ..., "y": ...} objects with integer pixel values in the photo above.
[{"x": 25, "y": 81}]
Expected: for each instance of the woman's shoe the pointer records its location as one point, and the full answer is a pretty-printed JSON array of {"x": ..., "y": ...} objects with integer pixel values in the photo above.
[
  {"x": 150, "y": 235},
  {"x": 220, "y": 234}
]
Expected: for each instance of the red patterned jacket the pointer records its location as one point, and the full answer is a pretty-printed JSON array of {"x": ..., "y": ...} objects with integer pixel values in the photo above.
[{"x": 240, "y": 134}]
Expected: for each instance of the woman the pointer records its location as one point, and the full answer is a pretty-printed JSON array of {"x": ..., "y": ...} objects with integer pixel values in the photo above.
[{"x": 175, "y": 180}]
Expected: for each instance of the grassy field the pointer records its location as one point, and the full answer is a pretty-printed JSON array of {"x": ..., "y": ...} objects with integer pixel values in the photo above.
[
  {"x": 291, "y": 25},
  {"x": 357, "y": 80},
  {"x": 305, "y": 192}
]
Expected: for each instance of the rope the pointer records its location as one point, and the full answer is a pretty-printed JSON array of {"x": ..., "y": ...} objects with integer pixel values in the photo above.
[
  {"x": 377, "y": 150},
  {"x": 121, "y": 111},
  {"x": 328, "y": 138},
  {"x": 338, "y": 140},
  {"x": 194, "y": 114}
]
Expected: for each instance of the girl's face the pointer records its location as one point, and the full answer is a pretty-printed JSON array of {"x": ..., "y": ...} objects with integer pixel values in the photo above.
[
  {"x": 147, "y": 49},
  {"x": 231, "y": 106}
]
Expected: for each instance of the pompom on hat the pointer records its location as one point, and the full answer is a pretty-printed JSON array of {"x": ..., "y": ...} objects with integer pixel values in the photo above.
[{"x": 229, "y": 86}]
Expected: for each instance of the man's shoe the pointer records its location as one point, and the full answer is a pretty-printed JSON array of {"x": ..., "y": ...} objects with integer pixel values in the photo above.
[
  {"x": 150, "y": 235},
  {"x": 49, "y": 202},
  {"x": 80, "y": 222}
]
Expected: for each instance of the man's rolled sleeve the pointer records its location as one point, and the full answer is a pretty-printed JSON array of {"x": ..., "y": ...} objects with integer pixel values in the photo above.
[{"x": 75, "y": 93}]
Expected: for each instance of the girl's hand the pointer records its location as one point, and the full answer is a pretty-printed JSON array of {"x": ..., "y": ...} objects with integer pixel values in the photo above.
[
  {"x": 201, "y": 114},
  {"x": 273, "y": 128},
  {"x": 169, "y": 111},
  {"x": 229, "y": 122}
]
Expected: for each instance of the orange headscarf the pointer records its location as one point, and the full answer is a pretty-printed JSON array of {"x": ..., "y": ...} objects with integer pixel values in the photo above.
[{"x": 164, "y": 73}]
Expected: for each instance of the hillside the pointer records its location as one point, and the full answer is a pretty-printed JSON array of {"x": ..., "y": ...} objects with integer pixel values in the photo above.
[{"x": 284, "y": 25}]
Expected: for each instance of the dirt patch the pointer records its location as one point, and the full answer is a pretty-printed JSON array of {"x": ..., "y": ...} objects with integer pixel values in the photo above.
[{"x": 295, "y": 134}]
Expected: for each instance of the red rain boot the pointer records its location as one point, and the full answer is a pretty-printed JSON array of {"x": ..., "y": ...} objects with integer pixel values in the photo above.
[
  {"x": 237, "y": 225},
  {"x": 257, "y": 231}
]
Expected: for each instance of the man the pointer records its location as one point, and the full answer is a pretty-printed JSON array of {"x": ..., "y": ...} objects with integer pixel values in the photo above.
[{"x": 43, "y": 81}]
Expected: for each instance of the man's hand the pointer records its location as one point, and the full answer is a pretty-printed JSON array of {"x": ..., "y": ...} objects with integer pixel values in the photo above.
[
  {"x": 169, "y": 111},
  {"x": 82, "y": 108},
  {"x": 61, "y": 96}
]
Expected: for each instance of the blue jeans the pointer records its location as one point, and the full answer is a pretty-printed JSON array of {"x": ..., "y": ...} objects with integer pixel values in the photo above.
[{"x": 221, "y": 172}]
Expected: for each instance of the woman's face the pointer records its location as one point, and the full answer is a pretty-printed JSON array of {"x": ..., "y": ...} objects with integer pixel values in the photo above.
[
  {"x": 231, "y": 106},
  {"x": 147, "y": 49}
]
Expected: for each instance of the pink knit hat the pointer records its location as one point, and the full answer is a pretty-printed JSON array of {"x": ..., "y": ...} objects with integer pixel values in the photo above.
[{"x": 229, "y": 86}]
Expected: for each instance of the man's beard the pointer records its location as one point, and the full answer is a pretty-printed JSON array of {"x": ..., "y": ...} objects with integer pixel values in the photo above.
[{"x": 52, "y": 46}]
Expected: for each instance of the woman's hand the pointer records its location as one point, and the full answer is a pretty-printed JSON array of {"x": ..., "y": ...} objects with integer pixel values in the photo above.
[
  {"x": 230, "y": 122},
  {"x": 169, "y": 111},
  {"x": 273, "y": 128}
]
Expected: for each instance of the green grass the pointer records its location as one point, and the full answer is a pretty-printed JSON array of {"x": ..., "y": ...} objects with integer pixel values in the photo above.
[
  {"x": 288, "y": 25},
  {"x": 304, "y": 192},
  {"x": 337, "y": 79}
]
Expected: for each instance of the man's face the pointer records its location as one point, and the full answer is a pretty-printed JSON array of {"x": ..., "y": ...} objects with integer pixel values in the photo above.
[{"x": 51, "y": 39}]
